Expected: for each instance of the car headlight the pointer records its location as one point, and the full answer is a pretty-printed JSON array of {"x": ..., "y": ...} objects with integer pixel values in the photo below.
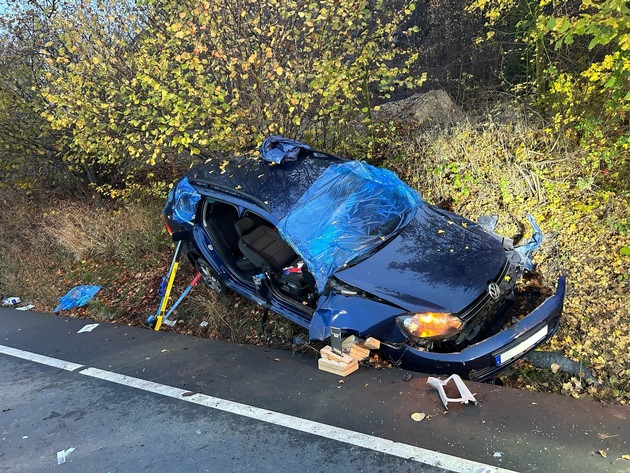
[{"x": 429, "y": 325}]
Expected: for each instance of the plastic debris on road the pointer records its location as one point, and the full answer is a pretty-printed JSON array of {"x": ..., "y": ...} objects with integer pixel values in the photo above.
[
  {"x": 10, "y": 301},
  {"x": 77, "y": 296},
  {"x": 465, "y": 395},
  {"x": 63, "y": 454},
  {"x": 88, "y": 328},
  {"x": 26, "y": 307}
]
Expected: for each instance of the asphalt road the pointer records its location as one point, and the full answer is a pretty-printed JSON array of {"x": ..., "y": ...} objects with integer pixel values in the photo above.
[{"x": 131, "y": 399}]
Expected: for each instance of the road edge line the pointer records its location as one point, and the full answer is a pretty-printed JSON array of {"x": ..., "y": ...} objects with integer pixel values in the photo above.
[
  {"x": 41, "y": 359},
  {"x": 378, "y": 444}
]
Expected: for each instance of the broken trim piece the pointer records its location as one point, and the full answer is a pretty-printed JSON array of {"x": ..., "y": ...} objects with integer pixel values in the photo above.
[{"x": 465, "y": 395}]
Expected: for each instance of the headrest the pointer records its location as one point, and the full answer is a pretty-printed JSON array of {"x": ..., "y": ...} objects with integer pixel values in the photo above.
[{"x": 244, "y": 226}]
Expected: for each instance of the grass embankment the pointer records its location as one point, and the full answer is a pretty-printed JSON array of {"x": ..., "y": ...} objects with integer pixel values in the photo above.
[{"x": 499, "y": 164}]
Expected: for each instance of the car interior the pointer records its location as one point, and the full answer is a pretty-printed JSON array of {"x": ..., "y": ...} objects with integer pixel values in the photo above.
[{"x": 251, "y": 245}]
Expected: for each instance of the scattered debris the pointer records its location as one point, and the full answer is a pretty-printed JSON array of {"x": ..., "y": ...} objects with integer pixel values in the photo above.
[
  {"x": 202, "y": 324},
  {"x": 61, "y": 455},
  {"x": 465, "y": 394},
  {"x": 76, "y": 297},
  {"x": 10, "y": 301},
  {"x": 498, "y": 455},
  {"x": 407, "y": 377},
  {"x": 625, "y": 456},
  {"x": 298, "y": 341},
  {"x": 88, "y": 328},
  {"x": 170, "y": 323},
  {"x": 602, "y": 453},
  {"x": 26, "y": 307},
  {"x": 418, "y": 416},
  {"x": 340, "y": 364}
]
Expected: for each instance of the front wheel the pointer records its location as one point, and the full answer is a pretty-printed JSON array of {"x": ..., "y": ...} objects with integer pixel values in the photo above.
[{"x": 209, "y": 276}]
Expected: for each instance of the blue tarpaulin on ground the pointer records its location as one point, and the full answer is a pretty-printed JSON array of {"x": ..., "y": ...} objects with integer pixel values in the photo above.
[
  {"x": 348, "y": 212},
  {"x": 77, "y": 296}
]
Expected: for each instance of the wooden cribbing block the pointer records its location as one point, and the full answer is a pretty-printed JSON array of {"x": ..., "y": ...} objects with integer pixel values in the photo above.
[
  {"x": 370, "y": 343},
  {"x": 348, "y": 342},
  {"x": 358, "y": 353},
  {"x": 337, "y": 367},
  {"x": 328, "y": 354}
]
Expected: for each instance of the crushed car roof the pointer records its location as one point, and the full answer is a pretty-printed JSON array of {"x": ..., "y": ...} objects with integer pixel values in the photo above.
[{"x": 273, "y": 187}]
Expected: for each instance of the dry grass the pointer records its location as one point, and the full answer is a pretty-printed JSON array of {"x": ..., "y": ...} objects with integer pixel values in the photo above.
[
  {"x": 89, "y": 231},
  {"x": 45, "y": 243}
]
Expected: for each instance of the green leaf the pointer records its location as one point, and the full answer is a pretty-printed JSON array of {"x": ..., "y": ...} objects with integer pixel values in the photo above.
[
  {"x": 610, "y": 83},
  {"x": 625, "y": 250}
]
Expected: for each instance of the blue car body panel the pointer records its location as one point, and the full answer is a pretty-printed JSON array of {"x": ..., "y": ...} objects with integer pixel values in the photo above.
[
  {"x": 435, "y": 264},
  {"x": 439, "y": 262}
]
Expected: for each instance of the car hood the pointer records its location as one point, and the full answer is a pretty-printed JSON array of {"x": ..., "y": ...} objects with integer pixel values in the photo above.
[{"x": 438, "y": 262}]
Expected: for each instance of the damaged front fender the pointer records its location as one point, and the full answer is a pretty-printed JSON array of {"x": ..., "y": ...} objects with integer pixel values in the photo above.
[{"x": 354, "y": 315}]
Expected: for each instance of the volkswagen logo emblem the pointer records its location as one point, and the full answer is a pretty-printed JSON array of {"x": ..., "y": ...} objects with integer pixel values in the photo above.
[{"x": 494, "y": 290}]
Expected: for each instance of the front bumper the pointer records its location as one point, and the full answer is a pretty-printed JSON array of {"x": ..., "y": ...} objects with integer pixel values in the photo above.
[{"x": 487, "y": 358}]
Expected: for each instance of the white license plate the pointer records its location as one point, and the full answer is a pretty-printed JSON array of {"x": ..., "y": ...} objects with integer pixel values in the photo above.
[{"x": 521, "y": 347}]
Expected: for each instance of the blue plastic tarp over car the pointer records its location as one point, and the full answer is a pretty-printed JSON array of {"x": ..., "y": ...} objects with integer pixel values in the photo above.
[
  {"x": 186, "y": 199},
  {"x": 278, "y": 149},
  {"x": 347, "y": 213}
]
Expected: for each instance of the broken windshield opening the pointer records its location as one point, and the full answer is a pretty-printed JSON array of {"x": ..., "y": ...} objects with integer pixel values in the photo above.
[{"x": 349, "y": 212}]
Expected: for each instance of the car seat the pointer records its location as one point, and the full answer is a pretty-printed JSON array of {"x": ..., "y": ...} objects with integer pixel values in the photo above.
[{"x": 266, "y": 249}]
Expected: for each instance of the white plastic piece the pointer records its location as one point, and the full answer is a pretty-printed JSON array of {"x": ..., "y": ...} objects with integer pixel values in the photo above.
[
  {"x": 26, "y": 307},
  {"x": 61, "y": 455},
  {"x": 465, "y": 395},
  {"x": 88, "y": 328}
]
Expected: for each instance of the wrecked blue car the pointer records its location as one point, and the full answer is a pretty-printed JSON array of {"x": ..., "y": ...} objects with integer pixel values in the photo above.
[{"x": 329, "y": 242}]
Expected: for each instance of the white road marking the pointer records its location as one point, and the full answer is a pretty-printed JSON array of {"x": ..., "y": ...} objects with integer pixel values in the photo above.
[
  {"x": 378, "y": 444},
  {"x": 371, "y": 442},
  {"x": 42, "y": 359}
]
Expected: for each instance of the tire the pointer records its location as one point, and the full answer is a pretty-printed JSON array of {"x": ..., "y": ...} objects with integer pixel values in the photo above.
[{"x": 210, "y": 277}]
